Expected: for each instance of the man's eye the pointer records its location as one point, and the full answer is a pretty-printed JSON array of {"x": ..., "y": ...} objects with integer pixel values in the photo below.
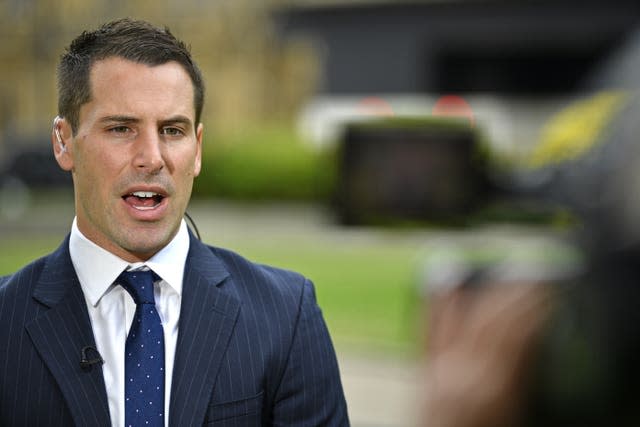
[
  {"x": 119, "y": 129},
  {"x": 171, "y": 131}
]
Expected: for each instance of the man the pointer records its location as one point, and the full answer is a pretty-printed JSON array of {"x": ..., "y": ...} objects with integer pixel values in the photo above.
[{"x": 228, "y": 342}]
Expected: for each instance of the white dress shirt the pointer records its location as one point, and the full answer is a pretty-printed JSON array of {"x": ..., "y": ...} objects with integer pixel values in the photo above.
[{"x": 111, "y": 308}]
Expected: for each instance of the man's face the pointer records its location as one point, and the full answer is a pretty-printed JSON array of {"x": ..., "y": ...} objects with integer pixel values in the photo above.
[{"x": 134, "y": 156}]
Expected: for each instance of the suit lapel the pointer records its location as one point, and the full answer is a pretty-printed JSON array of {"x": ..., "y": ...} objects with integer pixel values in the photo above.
[
  {"x": 207, "y": 318},
  {"x": 61, "y": 332}
]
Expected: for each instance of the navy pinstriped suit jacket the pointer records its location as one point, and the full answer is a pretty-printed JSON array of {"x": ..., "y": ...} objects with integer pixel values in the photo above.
[{"x": 252, "y": 349}]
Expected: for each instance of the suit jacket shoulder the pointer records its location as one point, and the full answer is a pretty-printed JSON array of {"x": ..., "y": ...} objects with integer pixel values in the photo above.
[
  {"x": 45, "y": 325},
  {"x": 254, "y": 276},
  {"x": 18, "y": 282},
  {"x": 278, "y": 364}
]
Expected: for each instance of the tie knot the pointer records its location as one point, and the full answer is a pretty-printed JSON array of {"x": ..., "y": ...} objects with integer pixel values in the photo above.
[{"x": 139, "y": 284}]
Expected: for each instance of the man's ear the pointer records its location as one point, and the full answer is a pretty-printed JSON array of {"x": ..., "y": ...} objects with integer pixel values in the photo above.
[
  {"x": 198, "y": 160},
  {"x": 62, "y": 142}
]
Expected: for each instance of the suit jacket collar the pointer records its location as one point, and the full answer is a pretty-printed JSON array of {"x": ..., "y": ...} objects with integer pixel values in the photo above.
[
  {"x": 208, "y": 316},
  {"x": 59, "y": 335}
]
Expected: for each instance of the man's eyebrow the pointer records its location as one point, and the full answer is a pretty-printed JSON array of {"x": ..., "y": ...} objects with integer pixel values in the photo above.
[
  {"x": 178, "y": 120},
  {"x": 119, "y": 119}
]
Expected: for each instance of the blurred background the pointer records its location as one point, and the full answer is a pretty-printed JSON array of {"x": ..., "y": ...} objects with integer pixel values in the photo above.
[{"x": 382, "y": 148}]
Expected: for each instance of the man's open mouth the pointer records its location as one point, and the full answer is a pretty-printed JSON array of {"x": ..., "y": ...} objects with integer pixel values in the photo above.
[{"x": 143, "y": 200}]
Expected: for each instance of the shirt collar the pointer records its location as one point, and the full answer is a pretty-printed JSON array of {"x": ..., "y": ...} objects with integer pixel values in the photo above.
[{"x": 98, "y": 268}]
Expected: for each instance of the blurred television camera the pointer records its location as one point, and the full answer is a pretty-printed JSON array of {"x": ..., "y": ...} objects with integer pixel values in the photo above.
[{"x": 547, "y": 332}]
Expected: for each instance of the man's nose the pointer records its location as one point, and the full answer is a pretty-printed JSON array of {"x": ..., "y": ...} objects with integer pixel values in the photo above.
[{"x": 149, "y": 154}]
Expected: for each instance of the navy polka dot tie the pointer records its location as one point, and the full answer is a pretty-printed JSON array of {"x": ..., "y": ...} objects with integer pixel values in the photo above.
[{"x": 144, "y": 354}]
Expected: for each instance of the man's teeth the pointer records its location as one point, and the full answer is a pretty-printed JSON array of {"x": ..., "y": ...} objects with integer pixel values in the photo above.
[
  {"x": 147, "y": 200},
  {"x": 144, "y": 194}
]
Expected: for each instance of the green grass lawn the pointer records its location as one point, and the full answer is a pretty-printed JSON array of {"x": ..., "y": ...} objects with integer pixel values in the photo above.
[{"x": 365, "y": 291}]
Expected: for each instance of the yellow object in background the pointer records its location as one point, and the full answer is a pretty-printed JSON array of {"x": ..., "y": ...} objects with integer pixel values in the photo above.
[{"x": 576, "y": 129}]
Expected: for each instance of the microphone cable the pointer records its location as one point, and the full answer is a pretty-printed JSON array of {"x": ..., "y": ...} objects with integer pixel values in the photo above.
[{"x": 193, "y": 225}]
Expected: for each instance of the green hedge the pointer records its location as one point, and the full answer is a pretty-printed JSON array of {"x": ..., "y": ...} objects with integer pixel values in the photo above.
[{"x": 264, "y": 163}]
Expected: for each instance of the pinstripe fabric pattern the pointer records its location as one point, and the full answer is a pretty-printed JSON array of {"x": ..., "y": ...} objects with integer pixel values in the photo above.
[
  {"x": 246, "y": 333},
  {"x": 44, "y": 327},
  {"x": 253, "y": 349}
]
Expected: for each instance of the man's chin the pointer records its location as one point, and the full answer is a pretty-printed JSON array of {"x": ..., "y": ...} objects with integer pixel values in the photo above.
[
  {"x": 142, "y": 244},
  {"x": 140, "y": 253}
]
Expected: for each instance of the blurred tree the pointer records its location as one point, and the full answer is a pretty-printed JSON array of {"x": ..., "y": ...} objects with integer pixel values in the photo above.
[{"x": 252, "y": 77}]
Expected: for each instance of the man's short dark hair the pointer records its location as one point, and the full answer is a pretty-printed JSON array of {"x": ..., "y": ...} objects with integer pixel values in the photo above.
[{"x": 133, "y": 40}]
